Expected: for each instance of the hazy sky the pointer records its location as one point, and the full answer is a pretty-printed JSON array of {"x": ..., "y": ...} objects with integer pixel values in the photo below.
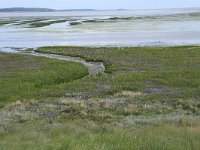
[{"x": 101, "y": 4}]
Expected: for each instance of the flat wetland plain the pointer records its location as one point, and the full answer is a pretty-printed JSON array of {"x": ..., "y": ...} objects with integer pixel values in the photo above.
[{"x": 148, "y": 98}]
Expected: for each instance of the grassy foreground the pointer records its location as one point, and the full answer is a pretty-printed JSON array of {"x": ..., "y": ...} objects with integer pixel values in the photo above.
[
  {"x": 82, "y": 135},
  {"x": 149, "y": 98}
]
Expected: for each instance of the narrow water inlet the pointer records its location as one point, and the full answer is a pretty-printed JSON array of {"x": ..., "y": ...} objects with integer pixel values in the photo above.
[{"x": 94, "y": 68}]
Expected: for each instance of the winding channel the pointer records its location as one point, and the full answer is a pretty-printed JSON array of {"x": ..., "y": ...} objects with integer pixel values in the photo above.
[{"x": 94, "y": 68}]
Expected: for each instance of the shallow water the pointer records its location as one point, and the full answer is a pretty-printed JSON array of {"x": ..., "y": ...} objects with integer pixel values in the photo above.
[{"x": 100, "y": 28}]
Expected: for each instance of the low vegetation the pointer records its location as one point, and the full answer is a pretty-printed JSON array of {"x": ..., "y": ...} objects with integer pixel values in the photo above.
[
  {"x": 81, "y": 135},
  {"x": 148, "y": 98},
  {"x": 26, "y": 77},
  {"x": 168, "y": 75}
]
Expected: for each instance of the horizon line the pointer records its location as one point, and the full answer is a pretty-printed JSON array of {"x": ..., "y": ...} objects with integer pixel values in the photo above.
[{"x": 101, "y": 9}]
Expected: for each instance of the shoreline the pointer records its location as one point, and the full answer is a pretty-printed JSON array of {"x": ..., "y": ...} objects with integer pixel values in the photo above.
[{"x": 28, "y": 49}]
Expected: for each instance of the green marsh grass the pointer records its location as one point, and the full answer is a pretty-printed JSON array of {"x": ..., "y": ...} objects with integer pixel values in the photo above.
[
  {"x": 172, "y": 73},
  {"x": 176, "y": 67},
  {"x": 102, "y": 112},
  {"x": 24, "y": 77},
  {"x": 81, "y": 135}
]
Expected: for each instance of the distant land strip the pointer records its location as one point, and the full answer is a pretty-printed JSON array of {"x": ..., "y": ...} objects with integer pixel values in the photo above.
[{"x": 22, "y": 9}]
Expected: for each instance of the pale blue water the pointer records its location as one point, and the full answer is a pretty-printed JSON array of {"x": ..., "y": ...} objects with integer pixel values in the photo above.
[{"x": 101, "y": 28}]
